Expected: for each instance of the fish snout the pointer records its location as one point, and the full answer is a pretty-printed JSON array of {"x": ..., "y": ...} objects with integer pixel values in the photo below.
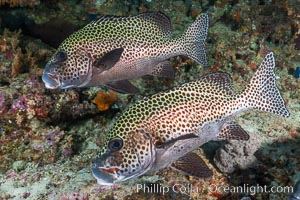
[
  {"x": 50, "y": 78},
  {"x": 104, "y": 175},
  {"x": 51, "y": 81}
]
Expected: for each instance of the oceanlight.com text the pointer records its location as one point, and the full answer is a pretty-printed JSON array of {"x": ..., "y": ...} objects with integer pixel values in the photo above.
[
  {"x": 187, "y": 189},
  {"x": 251, "y": 189}
]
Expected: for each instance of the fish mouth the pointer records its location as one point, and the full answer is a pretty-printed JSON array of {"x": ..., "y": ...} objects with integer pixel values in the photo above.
[
  {"x": 107, "y": 174},
  {"x": 51, "y": 80},
  {"x": 104, "y": 175}
]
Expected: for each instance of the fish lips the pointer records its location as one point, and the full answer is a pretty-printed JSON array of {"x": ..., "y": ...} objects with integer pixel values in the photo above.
[
  {"x": 50, "y": 79},
  {"x": 102, "y": 176},
  {"x": 110, "y": 176}
]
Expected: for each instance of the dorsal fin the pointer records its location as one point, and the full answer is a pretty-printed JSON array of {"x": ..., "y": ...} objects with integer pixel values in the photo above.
[
  {"x": 103, "y": 18},
  {"x": 159, "y": 19},
  {"x": 220, "y": 79}
]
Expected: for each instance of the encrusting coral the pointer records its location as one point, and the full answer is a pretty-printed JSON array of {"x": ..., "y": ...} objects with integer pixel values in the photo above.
[
  {"x": 48, "y": 138},
  {"x": 15, "y": 3},
  {"x": 26, "y": 107}
]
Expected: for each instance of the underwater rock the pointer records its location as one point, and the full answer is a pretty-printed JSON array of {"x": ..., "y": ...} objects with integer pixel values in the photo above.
[
  {"x": 74, "y": 195},
  {"x": 21, "y": 3},
  {"x": 237, "y": 154},
  {"x": 52, "y": 32},
  {"x": 18, "y": 165}
]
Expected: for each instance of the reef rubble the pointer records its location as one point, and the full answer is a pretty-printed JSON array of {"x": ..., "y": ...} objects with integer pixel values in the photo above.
[{"x": 48, "y": 138}]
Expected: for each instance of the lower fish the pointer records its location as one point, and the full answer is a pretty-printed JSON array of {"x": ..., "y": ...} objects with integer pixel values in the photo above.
[{"x": 162, "y": 130}]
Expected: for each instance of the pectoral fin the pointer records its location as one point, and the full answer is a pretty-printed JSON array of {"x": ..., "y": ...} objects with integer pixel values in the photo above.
[
  {"x": 123, "y": 86},
  {"x": 232, "y": 131},
  {"x": 171, "y": 142},
  {"x": 109, "y": 59},
  {"x": 163, "y": 69},
  {"x": 191, "y": 164}
]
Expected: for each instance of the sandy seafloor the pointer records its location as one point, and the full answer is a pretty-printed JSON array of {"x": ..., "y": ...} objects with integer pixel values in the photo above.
[{"x": 48, "y": 138}]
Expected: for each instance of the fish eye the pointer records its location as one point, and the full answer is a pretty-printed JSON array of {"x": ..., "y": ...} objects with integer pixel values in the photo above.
[
  {"x": 115, "y": 144},
  {"x": 61, "y": 56}
]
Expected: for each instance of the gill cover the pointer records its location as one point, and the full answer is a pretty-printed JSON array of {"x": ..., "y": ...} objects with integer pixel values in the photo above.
[{"x": 124, "y": 158}]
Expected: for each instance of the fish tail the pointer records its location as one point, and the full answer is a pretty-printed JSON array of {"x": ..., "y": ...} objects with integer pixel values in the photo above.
[
  {"x": 262, "y": 92},
  {"x": 193, "y": 40}
]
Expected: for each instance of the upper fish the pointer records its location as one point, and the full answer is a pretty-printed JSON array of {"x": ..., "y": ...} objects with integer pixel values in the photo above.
[
  {"x": 113, "y": 49},
  {"x": 162, "y": 130}
]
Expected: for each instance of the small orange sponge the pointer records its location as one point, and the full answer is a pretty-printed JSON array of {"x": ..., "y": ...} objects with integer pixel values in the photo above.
[{"x": 105, "y": 100}]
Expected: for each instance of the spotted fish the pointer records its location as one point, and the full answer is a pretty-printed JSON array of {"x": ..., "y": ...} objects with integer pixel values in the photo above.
[
  {"x": 113, "y": 49},
  {"x": 162, "y": 130}
]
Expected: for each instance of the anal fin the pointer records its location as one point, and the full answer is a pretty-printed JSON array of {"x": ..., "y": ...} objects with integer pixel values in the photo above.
[
  {"x": 191, "y": 164},
  {"x": 123, "y": 86},
  {"x": 232, "y": 131},
  {"x": 163, "y": 69}
]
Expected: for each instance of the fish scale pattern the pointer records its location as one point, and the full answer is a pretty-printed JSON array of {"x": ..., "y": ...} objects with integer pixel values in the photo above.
[
  {"x": 166, "y": 116},
  {"x": 146, "y": 39},
  {"x": 189, "y": 108}
]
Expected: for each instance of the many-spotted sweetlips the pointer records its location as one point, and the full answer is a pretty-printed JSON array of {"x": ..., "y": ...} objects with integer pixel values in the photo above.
[
  {"x": 113, "y": 49},
  {"x": 162, "y": 130}
]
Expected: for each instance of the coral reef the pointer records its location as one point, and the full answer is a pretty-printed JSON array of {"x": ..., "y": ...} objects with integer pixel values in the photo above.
[
  {"x": 48, "y": 138},
  {"x": 12, "y": 53},
  {"x": 26, "y": 107},
  {"x": 15, "y": 3}
]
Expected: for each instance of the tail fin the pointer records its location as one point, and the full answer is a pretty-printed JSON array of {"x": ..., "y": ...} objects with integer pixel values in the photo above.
[
  {"x": 262, "y": 92},
  {"x": 193, "y": 40}
]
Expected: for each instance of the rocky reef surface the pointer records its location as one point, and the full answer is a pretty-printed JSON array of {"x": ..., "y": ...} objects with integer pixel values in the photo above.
[{"x": 48, "y": 138}]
